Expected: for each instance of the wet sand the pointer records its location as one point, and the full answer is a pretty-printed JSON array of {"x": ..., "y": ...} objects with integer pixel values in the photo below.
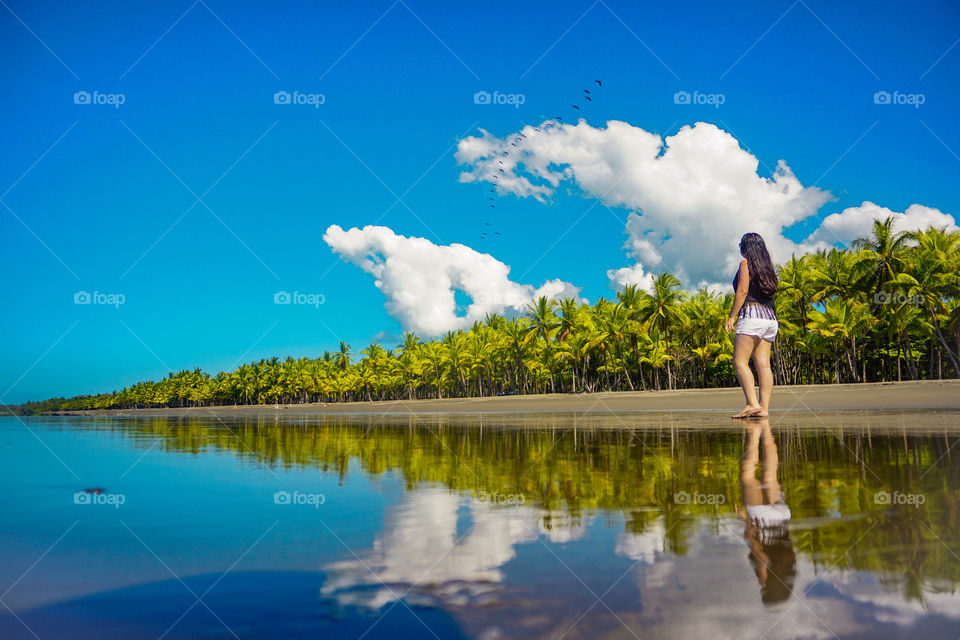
[{"x": 894, "y": 397}]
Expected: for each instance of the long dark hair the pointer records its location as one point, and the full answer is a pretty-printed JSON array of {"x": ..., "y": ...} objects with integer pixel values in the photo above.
[{"x": 759, "y": 263}]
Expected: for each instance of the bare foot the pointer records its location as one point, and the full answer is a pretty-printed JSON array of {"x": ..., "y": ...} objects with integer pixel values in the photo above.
[
  {"x": 758, "y": 413},
  {"x": 748, "y": 411}
]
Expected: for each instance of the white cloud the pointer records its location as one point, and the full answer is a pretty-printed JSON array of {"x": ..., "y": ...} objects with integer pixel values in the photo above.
[
  {"x": 419, "y": 278},
  {"x": 634, "y": 274},
  {"x": 691, "y": 196},
  {"x": 422, "y": 550},
  {"x": 857, "y": 222}
]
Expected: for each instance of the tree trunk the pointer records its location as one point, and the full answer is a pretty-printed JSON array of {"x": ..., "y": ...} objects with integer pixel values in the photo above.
[
  {"x": 851, "y": 359},
  {"x": 954, "y": 358},
  {"x": 899, "y": 351}
]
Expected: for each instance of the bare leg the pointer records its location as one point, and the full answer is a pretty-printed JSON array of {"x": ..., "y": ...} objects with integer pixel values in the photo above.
[
  {"x": 768, "y": 473},
  {"x": 748, "y": 466},
  {"x": 743, "y": 346},
  {"x": 761, "y": 360}
]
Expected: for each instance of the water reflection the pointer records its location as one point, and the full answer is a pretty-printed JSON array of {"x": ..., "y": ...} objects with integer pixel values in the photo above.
[
  {"x": 683, "y": 532},
  {"x": 765, "y": 515},
  {"x": 567, "y": 475},
  {"x": 426, "y": 550}
]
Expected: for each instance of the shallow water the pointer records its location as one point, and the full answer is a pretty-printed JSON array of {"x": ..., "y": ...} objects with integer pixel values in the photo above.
[{"x": 376, "y": 527}]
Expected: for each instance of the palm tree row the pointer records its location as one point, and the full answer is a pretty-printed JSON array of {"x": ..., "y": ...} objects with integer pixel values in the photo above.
[{"x": 885, "y": 309}]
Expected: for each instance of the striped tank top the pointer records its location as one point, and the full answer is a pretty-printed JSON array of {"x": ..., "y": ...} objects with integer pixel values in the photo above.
[{"x": 758, "y": 304}]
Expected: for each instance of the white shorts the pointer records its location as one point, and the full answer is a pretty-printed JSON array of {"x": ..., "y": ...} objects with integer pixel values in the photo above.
[
  {"x": 769, "y": 515},
  {"x": 760, "y": 327}
]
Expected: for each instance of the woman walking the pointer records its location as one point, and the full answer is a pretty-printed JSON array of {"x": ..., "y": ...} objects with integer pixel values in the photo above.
[{"x": 755, "y": 318}]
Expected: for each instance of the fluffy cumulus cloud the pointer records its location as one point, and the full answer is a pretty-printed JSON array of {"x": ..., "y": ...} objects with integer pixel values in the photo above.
[
  {"x": 690, "y": 196},
  {"x": 857, "y": 222},
  {"x": 420, "y": 279}
]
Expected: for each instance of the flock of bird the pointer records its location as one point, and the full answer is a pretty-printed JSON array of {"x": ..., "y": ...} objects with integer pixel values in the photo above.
[{"x": 519, "y": 138}]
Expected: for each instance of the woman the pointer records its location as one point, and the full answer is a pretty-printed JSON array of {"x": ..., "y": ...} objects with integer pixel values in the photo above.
[
  {"x": 766, "y": 517},
  {"x": 756, "y": 323}
]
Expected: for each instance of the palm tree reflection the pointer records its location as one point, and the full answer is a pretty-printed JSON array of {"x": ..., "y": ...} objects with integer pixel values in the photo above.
[{"x": 765, "y": 516}]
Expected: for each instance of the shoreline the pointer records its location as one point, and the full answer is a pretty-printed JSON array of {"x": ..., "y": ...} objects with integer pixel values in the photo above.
[{"x": 912, "y": 395}]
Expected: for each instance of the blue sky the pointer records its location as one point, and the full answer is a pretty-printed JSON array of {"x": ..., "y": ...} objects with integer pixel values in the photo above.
[{"x": 98, "y": 198}]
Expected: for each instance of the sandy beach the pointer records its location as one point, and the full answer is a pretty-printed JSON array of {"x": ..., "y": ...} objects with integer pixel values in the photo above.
[{"x": 921, "y": 395}]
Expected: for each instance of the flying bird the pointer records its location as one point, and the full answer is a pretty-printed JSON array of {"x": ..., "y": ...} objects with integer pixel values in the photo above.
[
  {"x": 586, "y": 91},
  {"x": 575, "y": 107},
  {"x": 588, "y": 98},
  {"x": 598, "y": 82}
]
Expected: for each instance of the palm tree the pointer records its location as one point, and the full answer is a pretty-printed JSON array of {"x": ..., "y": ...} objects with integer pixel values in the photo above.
[
  {"x": 663, "y": 310},
  {"x": 343, "y": 356},
  {"x": 842, "y": 321},
  {"x": 545, "y": 324},
  {"x": 935, "y": 280},
  {"x": 887, "y": 250}
]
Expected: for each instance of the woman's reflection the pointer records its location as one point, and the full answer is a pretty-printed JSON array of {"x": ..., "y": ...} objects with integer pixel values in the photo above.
[{"x": 765, "y": 516}]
